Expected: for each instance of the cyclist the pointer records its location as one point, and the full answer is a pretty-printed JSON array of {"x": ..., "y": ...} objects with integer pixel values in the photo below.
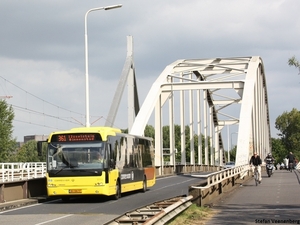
[{"x": 256, "y": 161}]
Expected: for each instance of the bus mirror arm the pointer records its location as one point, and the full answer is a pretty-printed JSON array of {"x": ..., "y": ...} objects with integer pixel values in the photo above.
[{"x": 112, "y": 163}]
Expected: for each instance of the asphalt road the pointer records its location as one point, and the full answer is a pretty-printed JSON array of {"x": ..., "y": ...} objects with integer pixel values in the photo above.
[
  {"x": 96, "y": 210},
  {"x": 275, "y": 201}
]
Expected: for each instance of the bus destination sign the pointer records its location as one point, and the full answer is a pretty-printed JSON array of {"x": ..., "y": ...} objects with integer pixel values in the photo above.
[{"x": 75, "y": 137}]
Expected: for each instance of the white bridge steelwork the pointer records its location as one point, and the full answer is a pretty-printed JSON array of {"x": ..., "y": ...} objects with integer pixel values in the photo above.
[
  {"x": 205, "y": 94},
  {"x": 212, "y": 93}
]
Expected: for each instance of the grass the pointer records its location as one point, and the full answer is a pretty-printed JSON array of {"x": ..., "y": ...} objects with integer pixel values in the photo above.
[{"x": 193, "y": 215}]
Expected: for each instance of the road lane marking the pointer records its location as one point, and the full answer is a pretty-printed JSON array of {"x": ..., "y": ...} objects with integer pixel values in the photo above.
[
  {"x": 257, "y": 209},
  {"x": 171, "y": 185},
  {"x": 59, "y": 218}
]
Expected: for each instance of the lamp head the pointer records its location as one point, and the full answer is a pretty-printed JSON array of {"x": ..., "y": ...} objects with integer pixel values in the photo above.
[{"x": 112, "y": 7}]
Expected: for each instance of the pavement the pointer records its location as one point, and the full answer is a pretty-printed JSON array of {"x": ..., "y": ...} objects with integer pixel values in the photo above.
[
  {"x": 20, "y": 203},
  {"x": 16, "y": 204},
  {"x": 276, "y": 200}
]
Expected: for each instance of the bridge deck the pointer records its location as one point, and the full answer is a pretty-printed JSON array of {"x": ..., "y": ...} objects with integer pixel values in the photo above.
[{"x": 276, "y": 198}]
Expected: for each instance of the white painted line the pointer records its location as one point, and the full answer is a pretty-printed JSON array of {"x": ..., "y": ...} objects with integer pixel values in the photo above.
[
  {"x": 59, "y": 218},
  {"x": 243, "y": 210}
]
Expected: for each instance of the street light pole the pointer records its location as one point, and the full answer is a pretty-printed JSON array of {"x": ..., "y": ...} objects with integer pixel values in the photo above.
[
  {"x": 87, "y": 123},
  {"x": 228, "y": 146},
  {"x": 231, "y": 142}
]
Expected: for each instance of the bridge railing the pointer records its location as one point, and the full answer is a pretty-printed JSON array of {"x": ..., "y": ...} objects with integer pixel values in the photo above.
[
  {"x": 218, "y": 183},
  {"x": 219, "y": 176},
  {"x": 11, "y": 172}
]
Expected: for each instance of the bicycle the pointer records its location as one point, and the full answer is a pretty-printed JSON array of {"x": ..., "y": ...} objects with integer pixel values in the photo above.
[{"x": 256, "y": 177}]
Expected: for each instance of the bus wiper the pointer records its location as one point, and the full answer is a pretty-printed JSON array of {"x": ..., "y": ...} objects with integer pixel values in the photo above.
[
  {"x": 62, "y": 170},
  {"x": 59, "y": 170},
  {"x": 95, "y": 172},
  {"x": 92, "y": 172}
]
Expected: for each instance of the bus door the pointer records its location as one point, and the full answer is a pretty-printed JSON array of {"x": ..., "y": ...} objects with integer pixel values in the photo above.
[{"x": 111, "y": 174}]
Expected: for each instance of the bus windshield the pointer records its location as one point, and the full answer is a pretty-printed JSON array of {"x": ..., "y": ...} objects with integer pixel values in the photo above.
[{"x": 76, "y": 156}]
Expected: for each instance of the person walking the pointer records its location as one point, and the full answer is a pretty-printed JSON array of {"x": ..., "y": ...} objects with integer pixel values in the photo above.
[{"x": 291, "y": 162}]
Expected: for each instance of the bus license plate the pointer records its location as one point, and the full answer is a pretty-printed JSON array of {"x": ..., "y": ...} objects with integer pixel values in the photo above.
[{"x": 75, "y": 191}]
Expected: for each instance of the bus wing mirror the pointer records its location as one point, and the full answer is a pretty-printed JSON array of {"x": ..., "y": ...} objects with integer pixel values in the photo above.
[{"x": 40, "y": 147}]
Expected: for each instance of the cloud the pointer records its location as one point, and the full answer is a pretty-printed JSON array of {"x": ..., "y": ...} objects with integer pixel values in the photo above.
[{"x": 42, "y": 51}]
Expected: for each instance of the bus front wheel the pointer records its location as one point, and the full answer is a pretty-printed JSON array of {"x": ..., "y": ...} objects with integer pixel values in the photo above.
[
  {"x": 144, "y": 185},
  {"x": 118, "y": 191}
]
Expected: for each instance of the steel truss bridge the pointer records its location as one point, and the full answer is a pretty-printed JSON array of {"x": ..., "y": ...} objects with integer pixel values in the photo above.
[{"x": 207, "y": 95}]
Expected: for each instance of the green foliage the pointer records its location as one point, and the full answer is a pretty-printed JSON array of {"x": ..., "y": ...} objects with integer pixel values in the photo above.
[
  {"x": 7, "y": 143},
  {"x": 28, "y": 152},
  {"x": 193, "y": 215},
  {"x": 289, "y": 126},
  {"x": 149, "y": 131},
  {"x": 177, "y": 137},
  {"x": 232, "y": 154},
  {"x": 125, "y": 131},
  {"x": 278, "y": 150},
  {"x": 294, "y": 62}
]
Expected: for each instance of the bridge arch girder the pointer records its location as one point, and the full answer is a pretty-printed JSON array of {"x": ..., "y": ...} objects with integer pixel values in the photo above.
[{"x": 221, "y": 92}]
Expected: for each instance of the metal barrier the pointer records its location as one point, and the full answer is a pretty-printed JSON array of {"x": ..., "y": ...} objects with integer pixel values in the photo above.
[
  {"x": 217, "y": 183},
  {"x": 217, "y": 177},
  {"x": 155, "y": 213},
  {"x": 27, "y": 180},
  {"x": 11, "y": 172}
]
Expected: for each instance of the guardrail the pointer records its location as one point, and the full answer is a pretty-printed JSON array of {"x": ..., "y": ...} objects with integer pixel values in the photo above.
[
  {"x": 217, "y": 183},
  {"x": 27, "y": 180},
  {"x": 11, "y": 172},
  {"x": 217, "y": 177},
  {"x": 155, "y": 213}
]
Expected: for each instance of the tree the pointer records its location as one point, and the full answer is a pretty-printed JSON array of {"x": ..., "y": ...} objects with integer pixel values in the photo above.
[
  {"x": 278, "y": 150},
  {"x": 294, "y": 62},
  {"x": 232, "y": 153},
  {"x": 177, "y": 131},
  {"x": 7, "y": 143},
  {"x": 28, "y": 152},
  {"x": 149, "y": 131},
  {"x": 289, "y": 125}
]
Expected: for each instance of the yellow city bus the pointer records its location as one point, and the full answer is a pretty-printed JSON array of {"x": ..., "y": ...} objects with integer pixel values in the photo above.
[{"x": 98, "y": 161}]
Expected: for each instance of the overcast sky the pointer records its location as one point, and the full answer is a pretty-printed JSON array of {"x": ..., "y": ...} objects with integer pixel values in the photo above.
[{"x": 42, "y": 52}]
